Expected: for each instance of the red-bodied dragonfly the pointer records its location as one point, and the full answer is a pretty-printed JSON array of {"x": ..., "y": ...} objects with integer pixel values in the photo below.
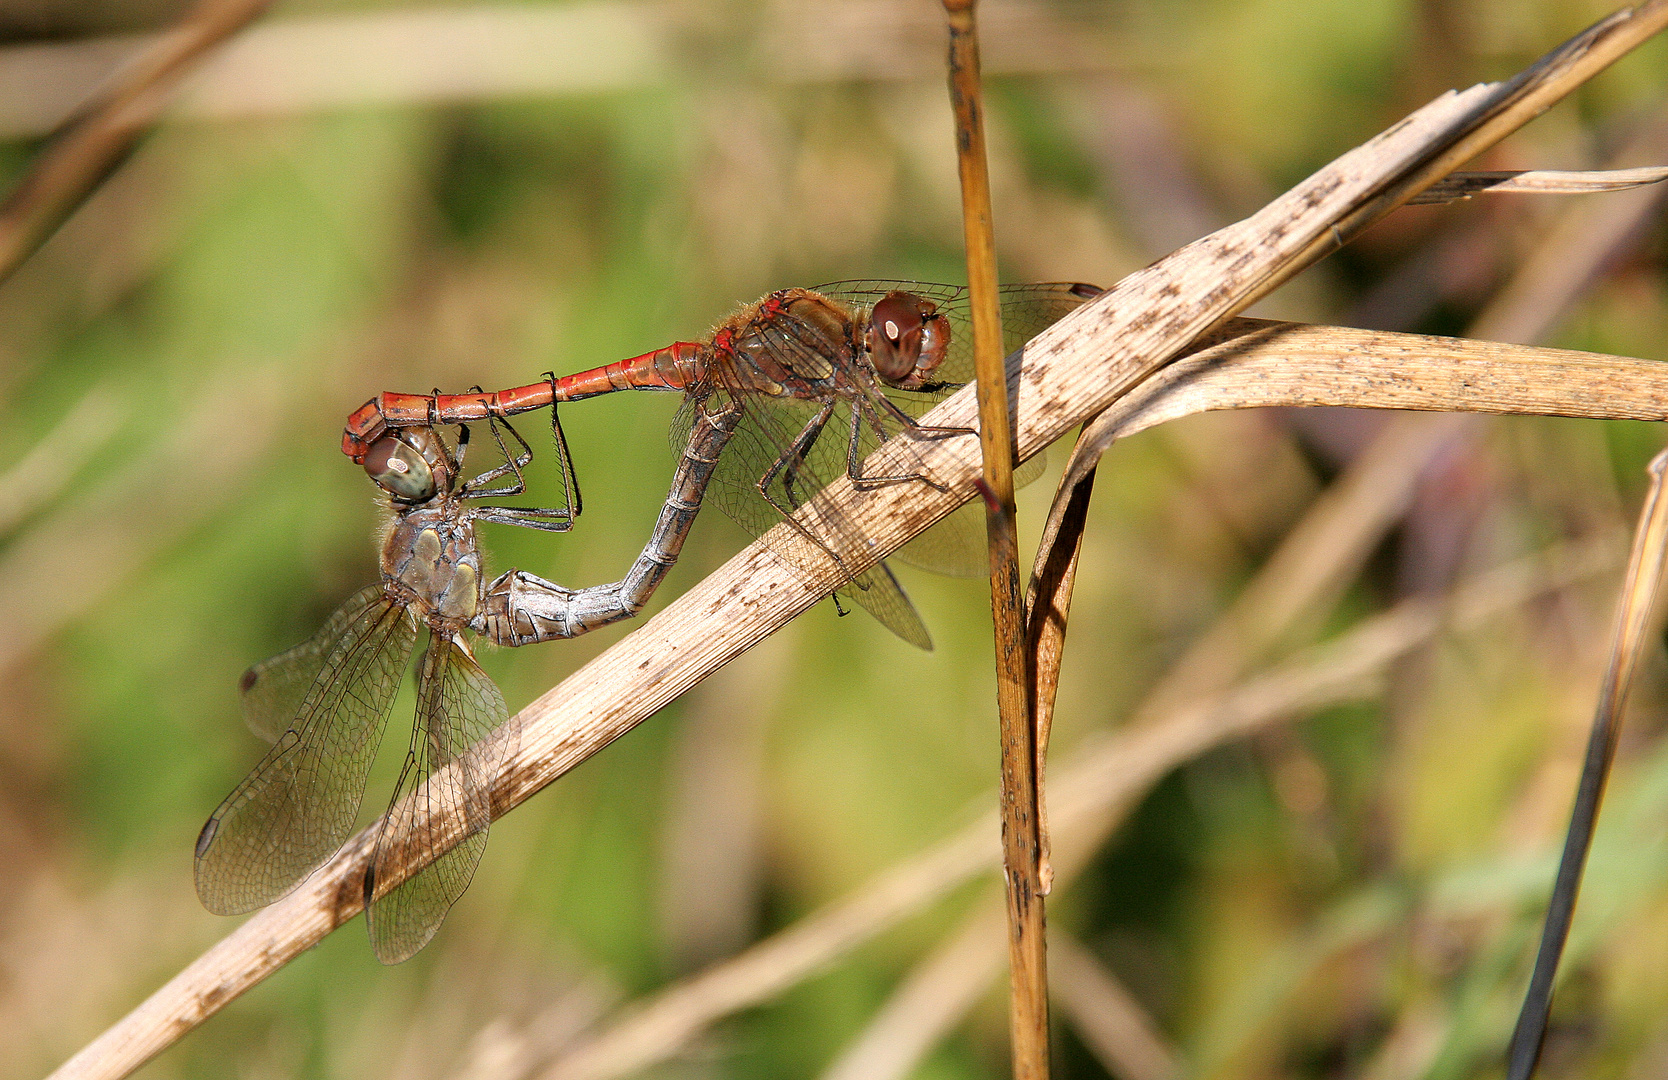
[
  {"x": 324, "y": 704},
  {"x": 866, "y": 358}
]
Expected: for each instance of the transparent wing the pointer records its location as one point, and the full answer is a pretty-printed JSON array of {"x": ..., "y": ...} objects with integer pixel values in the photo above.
[
  {"x": 294, "y": 810},
  {"x": 957, "y": 545},
  {"x": 763, "y": 446},
  {"x": 442, "y": 805},
  {"x": 273, "y": 690}
]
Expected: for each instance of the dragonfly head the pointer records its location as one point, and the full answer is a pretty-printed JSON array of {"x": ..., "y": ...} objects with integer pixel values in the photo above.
[
  {"x": 410, "y": 464},
  {"x": 908, "y": 339}
]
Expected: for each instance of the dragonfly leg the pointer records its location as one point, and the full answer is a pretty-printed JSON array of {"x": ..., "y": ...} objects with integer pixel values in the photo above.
[
  {"x": 546, "y": 518},
  {"x": 791, "y": 461},
  {"x": 570, "y": 479},
  {"x": 522, "y": 608},
  {"x": 860, "y": 411},
  {"x": 929, "y": 431},
  {"x": 513, "y": 464}
]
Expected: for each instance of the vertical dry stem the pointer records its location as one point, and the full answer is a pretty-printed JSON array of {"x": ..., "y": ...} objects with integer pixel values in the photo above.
[
  {"x": 1636, "y": 616},
  {"x": 1021, "y": 846}
]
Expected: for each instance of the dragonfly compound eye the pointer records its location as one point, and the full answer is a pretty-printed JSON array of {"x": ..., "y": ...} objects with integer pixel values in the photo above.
[
  {"x": 907, "y": 339},
  {"x": 399, "y": 469}
]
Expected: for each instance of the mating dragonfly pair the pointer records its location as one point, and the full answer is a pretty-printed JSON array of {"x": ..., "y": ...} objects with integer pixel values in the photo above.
[{"x": 760, "y": 392}]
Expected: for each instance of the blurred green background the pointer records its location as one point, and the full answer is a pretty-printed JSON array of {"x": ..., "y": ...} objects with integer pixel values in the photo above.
[{"x": 1351, "y": 894}]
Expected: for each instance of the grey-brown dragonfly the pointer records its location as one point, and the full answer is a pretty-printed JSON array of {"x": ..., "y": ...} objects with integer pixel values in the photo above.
[
  {"x": 325, "y": 703},
  {"x": 864, "y": 358}
]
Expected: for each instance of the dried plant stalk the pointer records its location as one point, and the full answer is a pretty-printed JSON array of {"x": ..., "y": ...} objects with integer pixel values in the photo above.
[
  {"x": 1638, "y": 620},
  {"x": 1022, "y": 843}
]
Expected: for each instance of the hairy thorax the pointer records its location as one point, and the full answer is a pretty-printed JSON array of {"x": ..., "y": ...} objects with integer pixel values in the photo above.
[
  {"x": 431, "y": 559},
  {"x": 791, "y": 343}
]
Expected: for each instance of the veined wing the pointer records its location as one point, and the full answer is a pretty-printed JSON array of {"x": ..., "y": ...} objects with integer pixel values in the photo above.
[
  {"x": 442, "y": 805},
  {"x": 274, "y": 689},
  {"x": 762, "y": 450},
  {"x": 957, "y": 545},
  {"x": 294, "y": 810}
]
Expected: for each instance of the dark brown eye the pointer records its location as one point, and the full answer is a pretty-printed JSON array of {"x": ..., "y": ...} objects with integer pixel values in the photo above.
[
  {"x": 935, "y": 346},
  {"x": 399, "y": 470},
  {"x": 895, "y": 336},
  {"x": 908, "y": 339}
]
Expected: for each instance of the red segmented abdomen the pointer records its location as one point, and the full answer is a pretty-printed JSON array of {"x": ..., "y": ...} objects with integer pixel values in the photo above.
[
  {"x": 674, "y": 367},
  {"x": 387, "y": 410}
]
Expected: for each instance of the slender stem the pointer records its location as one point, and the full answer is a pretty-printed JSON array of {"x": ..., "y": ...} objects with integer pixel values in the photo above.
[
  {"x": 1047, "y": 605},
  {"x": 92, "y": 142},
  {"x": 1634, "y": 619},
  {"x": 1021, "y": 830}
]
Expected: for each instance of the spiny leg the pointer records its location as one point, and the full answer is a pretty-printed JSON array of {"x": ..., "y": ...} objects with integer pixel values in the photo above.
[
  {"x": 794, "y": 458},
  {"x": 570, "y": 478},
  {"x": 795, "y": 453},
  {"x": 512, "y": 464},
  {"x": 545, "y": 518},
  {"x": 862, "y": 410},
  {"x": 927, "y": 431}
]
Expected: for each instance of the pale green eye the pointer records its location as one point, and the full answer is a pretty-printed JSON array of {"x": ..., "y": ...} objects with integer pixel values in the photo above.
[{"x": 399, "y": 470}]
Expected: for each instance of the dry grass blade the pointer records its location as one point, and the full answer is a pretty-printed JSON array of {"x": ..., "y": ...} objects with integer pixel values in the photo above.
[
  {"x": 1022, "y": 843},
  {"x": 1464, "y": 185},
  {"x": 1299, "y": 364},
  {"x": 1637, "y": 619},
  {"x": 1252, "y": 363},
  {"x": 1107, "y": 1018},
  {"x": 1104, "y": 777},
  {"x": 1068, "y": 374},
  {"x": 1047, "y": 605},
  {"x": 96, "y": 138}
]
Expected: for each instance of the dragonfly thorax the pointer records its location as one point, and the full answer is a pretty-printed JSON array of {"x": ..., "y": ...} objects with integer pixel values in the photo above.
[
  {"x": 431, "y": 563},
  {"x": 790, "y": 344}
]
